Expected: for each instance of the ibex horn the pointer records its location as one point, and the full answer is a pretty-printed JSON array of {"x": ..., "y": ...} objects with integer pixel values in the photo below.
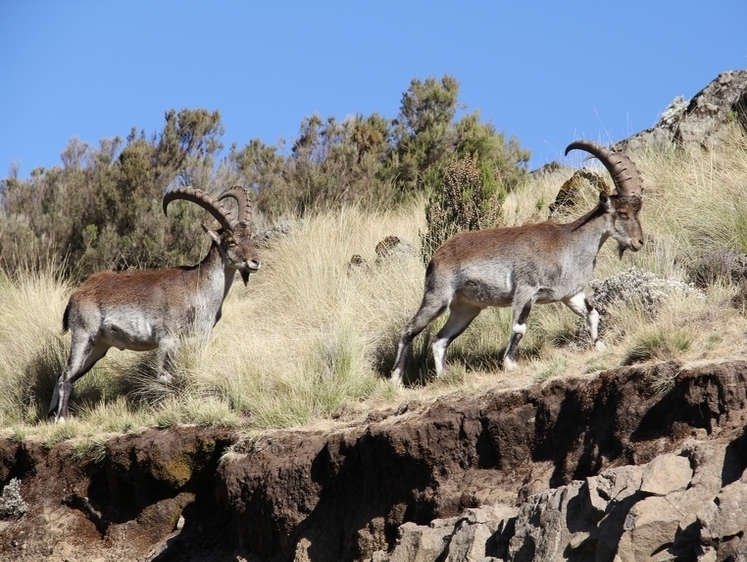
[
  {"x": 241, "y": 197},
  {"x": 621, "y": 168},
  {"x": 202, "y": 199}
]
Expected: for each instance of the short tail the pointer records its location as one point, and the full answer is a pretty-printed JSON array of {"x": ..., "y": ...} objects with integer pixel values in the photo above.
[{"x": 66, "y": 319}]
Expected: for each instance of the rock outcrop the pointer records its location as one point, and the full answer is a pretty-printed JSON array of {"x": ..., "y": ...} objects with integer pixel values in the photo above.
[
  {"x": 568, "y": 469},
  {"x": 699, "y": 120}
]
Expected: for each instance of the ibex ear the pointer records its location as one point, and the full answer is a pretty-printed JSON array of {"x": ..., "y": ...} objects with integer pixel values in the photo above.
[{"x": 212, "y": 233}]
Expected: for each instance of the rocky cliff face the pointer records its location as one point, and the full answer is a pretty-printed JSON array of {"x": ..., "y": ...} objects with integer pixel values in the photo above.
[{"x": 630, "y": 464}]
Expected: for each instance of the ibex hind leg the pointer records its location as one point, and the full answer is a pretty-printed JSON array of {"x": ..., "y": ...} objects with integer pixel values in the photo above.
[
  {"x": 430, "y": 309},
  {"x": 460, "y": 317},
  {"x": 84, "y": 353}
]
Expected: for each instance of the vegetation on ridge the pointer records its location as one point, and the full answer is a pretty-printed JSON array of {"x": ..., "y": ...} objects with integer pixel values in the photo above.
[{"x": 102, "y": 208}]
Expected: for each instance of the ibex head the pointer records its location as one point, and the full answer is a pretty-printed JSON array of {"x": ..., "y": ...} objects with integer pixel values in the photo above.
[
  {"x": 234, "y": 238},
  {"x": 624, "y": 202}
]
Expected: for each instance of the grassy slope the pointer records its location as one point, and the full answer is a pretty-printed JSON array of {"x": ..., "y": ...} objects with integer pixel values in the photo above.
[{"x": 308, "y": 340}]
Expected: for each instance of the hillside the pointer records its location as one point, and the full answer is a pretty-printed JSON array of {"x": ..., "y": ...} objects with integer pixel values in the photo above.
[{"x": 633, "y": 454}]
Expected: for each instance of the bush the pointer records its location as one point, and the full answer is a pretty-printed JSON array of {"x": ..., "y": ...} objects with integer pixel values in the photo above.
[
  {"x": 460, "y": 204},
  {"x": 102, "y": 208}
]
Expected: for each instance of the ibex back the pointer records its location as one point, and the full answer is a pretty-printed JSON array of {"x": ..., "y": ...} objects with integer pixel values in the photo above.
[
  {"x": 144, "y": 310},
  {"x": 526, "y": 265}
]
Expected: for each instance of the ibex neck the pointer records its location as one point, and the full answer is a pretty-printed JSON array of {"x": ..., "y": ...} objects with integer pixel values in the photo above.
[
  {"x": 589, "y": 218},
  {"x": 594, "y": 229},
  {"x": 215, "y": 267}
]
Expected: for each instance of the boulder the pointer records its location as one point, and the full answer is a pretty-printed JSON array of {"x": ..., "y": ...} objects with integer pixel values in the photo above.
[
  {"x": 666, "y": 474},
  {"x": 726, "y": 515},
  {"x": 393, "y": 247},
  {"x": 474, "y": 536}
]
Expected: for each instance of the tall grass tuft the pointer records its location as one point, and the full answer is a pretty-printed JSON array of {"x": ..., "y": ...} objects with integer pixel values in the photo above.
[{"x": 33, "y": 346}]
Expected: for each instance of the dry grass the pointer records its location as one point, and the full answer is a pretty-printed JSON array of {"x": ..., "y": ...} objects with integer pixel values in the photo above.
[{"x": 309, "y": 340}]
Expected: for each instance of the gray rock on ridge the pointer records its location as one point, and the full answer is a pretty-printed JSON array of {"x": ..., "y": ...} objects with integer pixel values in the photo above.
[{"x": 700, "y": 120}]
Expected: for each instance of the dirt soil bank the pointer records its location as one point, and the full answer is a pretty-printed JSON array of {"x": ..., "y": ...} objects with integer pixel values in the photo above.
[{"x": 352, "y": 492}]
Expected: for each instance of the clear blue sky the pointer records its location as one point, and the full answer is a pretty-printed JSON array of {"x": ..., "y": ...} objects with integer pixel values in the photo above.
[{"x": 546, "y": 72}]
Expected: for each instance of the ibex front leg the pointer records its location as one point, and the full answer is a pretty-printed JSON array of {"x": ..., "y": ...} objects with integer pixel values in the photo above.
[
  {"x": 165, "y": 357},
  {"x": 580, "y": 305}
]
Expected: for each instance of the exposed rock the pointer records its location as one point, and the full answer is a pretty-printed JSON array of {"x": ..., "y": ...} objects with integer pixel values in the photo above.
[
  {"x": 387, "y": 250},
  {"x": 613, "y": 486},
  {"x": 702, "y": 119},
  {"x": 421, "y": 543},
  {"x": 542, "y": 529},
  {"x": 666, "y": 474},
  {"x": 568, "y": 192},
  {"x": 474, "y": 536},
  {"x": 649, "y": 528},
  {"x": 643, "y": 288},
  {"x": 479, "y": 534},
  {"x": 726, "y": 515},
  {"x": 636, "y": 513},
  {"x": 358, "y": 264},
  {"x": 393, "y": 247}
]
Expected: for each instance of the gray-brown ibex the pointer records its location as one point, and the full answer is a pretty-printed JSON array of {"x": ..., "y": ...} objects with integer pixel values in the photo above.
[
  {"x": 153, "y": 309},
  {"x": 526, "y": 265}
]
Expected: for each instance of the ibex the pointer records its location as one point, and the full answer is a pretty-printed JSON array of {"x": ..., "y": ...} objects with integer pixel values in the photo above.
[
  {"x": 526, "y": 265},
  {"x": 152, "y": 309}
]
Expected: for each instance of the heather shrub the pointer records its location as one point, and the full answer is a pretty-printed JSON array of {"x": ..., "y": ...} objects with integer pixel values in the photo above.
[{"x": 460, "y": 204}]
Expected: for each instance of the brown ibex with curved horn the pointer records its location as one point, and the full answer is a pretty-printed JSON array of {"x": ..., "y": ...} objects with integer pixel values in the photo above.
[
  {"x": 526, "y": 265},
  {"x": 152, "y": 309}
]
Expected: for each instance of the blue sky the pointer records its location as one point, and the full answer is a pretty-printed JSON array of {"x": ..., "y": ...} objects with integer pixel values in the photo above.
[{"x": 546, "y": 72}]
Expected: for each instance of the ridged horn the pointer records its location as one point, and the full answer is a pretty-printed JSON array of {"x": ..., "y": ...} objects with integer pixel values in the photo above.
[
  {"x": 204, "y": 200},
  {"x": 621, "y": 168},
  {"x": 241, "y": 197}
]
